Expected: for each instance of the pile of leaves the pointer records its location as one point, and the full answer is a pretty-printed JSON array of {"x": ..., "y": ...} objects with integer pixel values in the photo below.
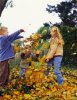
[{"x": 34, "y": 85}]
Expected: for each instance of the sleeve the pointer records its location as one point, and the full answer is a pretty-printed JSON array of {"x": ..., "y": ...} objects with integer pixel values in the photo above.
[
  {"x": 14, "y": 36},
  {"x": 52, "y": 50},
  {"x": 0, "y": 45},
  {"x": 18, "y": 37},
  {"x": 3, "y": 42}
]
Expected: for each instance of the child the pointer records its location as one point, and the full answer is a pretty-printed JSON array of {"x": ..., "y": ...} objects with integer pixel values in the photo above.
[
  {"x": 6, "y": 52},
  {"x": 55, "y": 53},
  {"x": 26, "y": 58}
]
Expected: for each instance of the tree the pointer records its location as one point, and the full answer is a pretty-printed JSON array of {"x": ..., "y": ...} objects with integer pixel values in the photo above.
[
  {"x": 70, "y": 47},
  {"x": 44, "y": 31},
  {"x": 5, "y": 3},
  {"x": 67, "y": 11},
  {"x": 2, "y": 5}
]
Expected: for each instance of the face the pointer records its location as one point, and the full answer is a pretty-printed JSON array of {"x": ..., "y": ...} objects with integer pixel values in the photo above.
[
  {"x": 5, "y": 32},
  {"x": 27, "y": 49},
  {"x": 53, "y": 33}
]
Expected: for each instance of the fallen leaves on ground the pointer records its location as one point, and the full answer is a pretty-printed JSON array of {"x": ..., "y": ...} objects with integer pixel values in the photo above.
[{"x": 34, "y": 85}]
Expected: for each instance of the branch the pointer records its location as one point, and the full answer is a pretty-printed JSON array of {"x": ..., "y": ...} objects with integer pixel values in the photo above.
[{"x": 2, "y": 5}]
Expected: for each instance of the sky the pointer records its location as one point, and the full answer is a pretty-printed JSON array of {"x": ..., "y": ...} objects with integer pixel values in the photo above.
[{"x": 29, "y": 14}]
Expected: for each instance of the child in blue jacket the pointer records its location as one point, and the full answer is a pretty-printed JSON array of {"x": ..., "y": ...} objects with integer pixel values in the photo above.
[{"x": 6, "y": 52}]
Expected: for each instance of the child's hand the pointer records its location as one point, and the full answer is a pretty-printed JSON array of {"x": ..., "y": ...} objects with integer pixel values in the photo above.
[
  {"x": 47, "y": 60},
  {"x": 22, "y": 30}
]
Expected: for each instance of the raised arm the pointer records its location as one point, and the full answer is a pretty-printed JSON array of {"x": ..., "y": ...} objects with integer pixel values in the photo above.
[{"x": 15, "y": 35}]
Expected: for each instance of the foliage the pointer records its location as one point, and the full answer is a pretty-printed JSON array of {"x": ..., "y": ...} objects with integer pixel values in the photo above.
[
  {"x": 2, "y": 5},
  {"x": 70, "y": 47},
  {"x": 67, "y": 11},
  {"x": 9, "y": 3},
  {"x": 5, "y": 4},
  {"x": 17, "y": 46},
  {"x": 44, "y": 31},
  {"x": 34, "y": 85}
]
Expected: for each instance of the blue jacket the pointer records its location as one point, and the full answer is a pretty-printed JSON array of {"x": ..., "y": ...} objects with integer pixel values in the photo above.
[{"x": 6, "y": 50}]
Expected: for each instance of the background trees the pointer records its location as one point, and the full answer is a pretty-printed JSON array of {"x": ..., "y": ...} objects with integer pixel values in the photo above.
[
  {"x": 5, "y": 3},
  {"x": 2, "y": 5},
  {"x": 67, "y": 11}
]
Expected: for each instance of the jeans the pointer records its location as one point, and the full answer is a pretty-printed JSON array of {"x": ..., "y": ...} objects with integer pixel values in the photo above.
[
  {"x": 56, "y": 63},
  {"x": 22, "y": 71},
  {"x": 4, "y": 73}
]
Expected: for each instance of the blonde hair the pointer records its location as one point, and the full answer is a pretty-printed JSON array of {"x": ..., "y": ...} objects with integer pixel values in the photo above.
[
  {"x": 2, "y": 29},
  {"x": 58, "y": 34}
]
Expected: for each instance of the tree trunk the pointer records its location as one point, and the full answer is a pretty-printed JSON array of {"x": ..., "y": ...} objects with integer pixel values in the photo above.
[{"x": 2, "y": 5}]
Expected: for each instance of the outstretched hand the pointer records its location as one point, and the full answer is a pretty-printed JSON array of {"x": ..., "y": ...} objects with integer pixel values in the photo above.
[{"x": 22, "y": 30}]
